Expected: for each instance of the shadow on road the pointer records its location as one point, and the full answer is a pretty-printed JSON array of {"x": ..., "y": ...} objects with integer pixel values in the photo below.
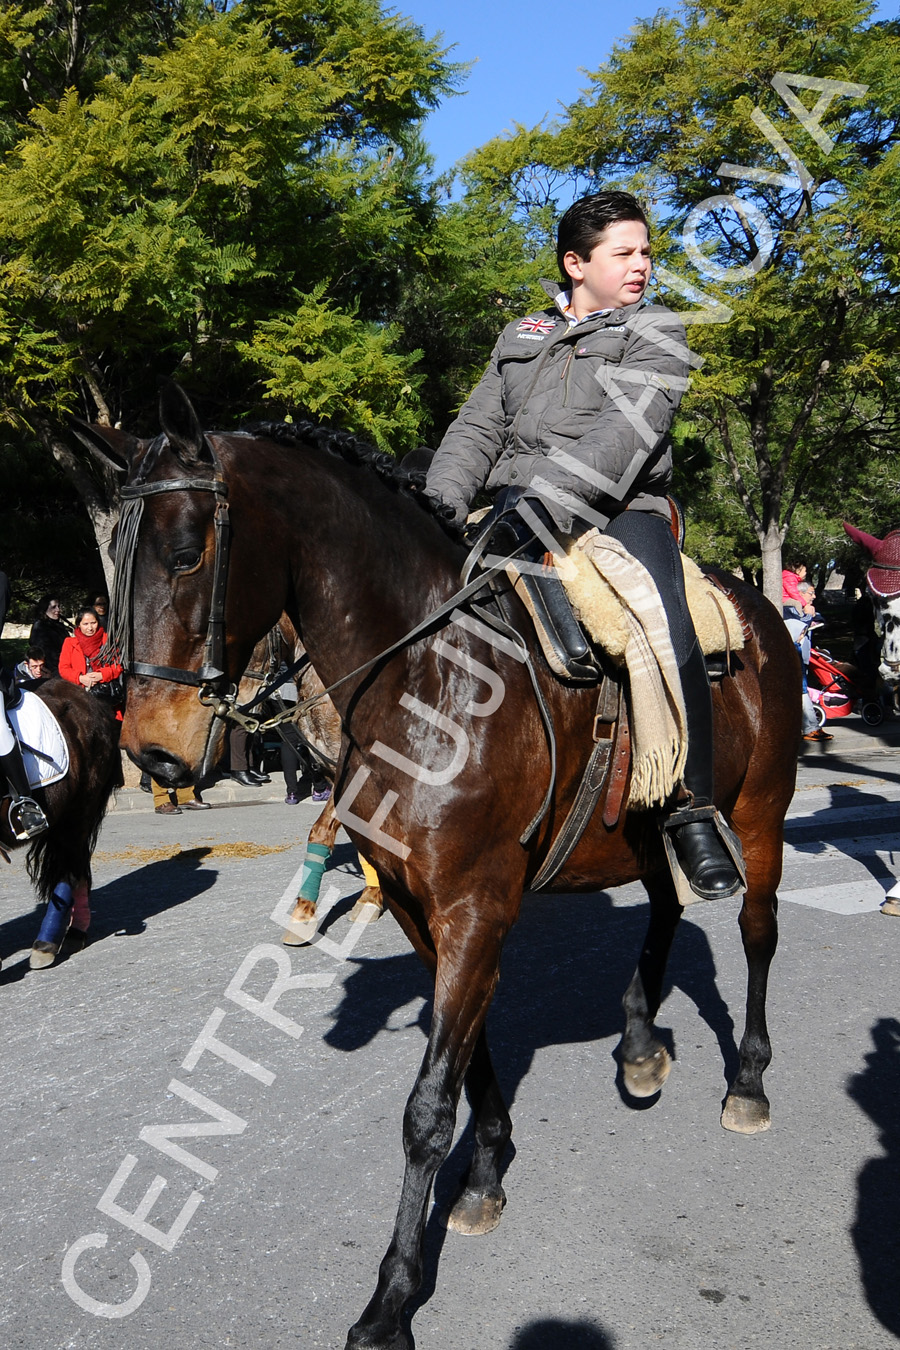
[
  {"x": 815, "y": 837},
  {"x": 121, "y": 907},
  {"x": 565, "y": 968},
  {"x": 876, "y": 1232},
  {"x": 858, "y": 768},
  {"x": 553, "y": 1333}
]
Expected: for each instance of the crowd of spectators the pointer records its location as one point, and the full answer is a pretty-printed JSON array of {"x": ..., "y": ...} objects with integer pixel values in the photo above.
[{"x": 77, "y": 651}]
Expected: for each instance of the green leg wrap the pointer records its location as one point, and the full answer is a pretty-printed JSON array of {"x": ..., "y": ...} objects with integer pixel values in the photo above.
[{"x": 317, "y": 856}]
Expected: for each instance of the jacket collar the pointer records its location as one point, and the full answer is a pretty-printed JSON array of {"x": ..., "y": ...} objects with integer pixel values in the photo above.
[{"x": 555, "y": 292}]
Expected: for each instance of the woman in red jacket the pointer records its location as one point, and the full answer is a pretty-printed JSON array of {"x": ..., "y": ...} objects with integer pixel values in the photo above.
[{"x": 78, "y": 661}]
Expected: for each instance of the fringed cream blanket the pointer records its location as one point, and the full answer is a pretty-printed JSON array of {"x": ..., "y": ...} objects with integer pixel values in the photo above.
[
  {"x": 658, "y": 722},
  {"x": 716, "y": 622}
]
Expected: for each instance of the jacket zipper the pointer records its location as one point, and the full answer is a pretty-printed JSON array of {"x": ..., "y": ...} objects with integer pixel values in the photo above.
[{"x": 564, "y": 374}]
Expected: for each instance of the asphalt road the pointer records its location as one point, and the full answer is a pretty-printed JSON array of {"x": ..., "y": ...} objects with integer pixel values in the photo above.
[{"x": 627, "y": 1225}]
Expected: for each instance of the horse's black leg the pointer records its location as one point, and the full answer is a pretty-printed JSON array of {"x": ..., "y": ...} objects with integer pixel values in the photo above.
[
  {"x": 466, "y": 976},
  {"x": 746, "y": 1107},
  {"x": 645, "y": 1060},
  {"x": 480, "y": 1202}
]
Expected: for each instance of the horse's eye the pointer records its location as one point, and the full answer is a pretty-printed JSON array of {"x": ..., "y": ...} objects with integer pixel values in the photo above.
[{"x": 185, "y": 560}]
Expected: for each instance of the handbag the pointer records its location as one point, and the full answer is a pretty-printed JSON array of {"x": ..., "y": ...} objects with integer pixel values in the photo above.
[{"x": 111, "y": 691}]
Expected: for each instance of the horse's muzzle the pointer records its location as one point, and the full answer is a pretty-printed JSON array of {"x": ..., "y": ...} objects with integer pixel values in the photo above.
[{"x": 169, "y": 770}]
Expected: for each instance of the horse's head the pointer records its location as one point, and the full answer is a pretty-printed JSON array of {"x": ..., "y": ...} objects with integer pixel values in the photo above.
[
  {"x": 883, "y": 581},
  {"x": 184, "y": 634}
]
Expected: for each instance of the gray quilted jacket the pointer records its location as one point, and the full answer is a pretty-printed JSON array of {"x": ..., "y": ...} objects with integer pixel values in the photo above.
[{"x": 578, "y": 414}]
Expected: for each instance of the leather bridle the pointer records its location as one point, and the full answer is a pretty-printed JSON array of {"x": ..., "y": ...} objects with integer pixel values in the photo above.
[{"x": 212, "y": 670}]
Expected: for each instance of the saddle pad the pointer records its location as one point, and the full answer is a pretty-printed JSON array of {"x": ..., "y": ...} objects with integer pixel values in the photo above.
[
  {"x": 716, "y": 621},
  {"x": 37, "y": 729}
]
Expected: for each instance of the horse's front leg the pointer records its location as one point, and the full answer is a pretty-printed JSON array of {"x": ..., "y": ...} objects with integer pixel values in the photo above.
[
  {"x": 467, "y": 971},
  {"x": 645, "y": 1060},
  {"x": 319, "y": 848},
  {"x": 746, "y": 1107}
]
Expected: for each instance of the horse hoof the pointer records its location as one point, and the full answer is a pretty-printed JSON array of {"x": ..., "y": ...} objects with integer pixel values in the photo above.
[
  {"x": 891, "y": 907},
  {"x": 299, "y": 934},
  {"x": 746, "y": 1115},
  {"x": 43, "y": 954},
  {"x": 365, "y": 912},
  {"x": 475, "y": 1213},
  {"x": 359, "y": 1340},
  {"x": 301, "y": 927},
  {"x": 645, "y": 1077},
  {"x": 76, "y": 940}
]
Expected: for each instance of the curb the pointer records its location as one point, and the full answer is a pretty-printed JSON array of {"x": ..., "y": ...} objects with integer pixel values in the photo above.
[{"x": 220, "y": 794}]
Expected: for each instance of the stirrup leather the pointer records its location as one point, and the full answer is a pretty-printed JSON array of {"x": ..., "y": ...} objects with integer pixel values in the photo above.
[
  {"x": 565, "y": 647},
  {"x": 689, "y": 815}
]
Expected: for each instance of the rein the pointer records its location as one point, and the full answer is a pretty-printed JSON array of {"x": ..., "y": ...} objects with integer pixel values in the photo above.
[{"x": 224, "y": 705}]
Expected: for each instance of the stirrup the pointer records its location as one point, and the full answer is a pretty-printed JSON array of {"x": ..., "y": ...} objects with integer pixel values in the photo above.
[
  {"x": 689, "y": 815},
  {"x": 26, "y": 819}
]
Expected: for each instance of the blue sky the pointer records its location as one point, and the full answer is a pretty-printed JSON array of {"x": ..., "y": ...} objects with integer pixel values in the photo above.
[{"x": 529, "y": 57}]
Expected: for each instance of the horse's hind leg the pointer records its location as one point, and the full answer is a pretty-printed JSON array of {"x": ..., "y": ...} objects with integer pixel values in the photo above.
[
  {"x": 370, "y": 905},
  {"x": 480, "y": 1202},
  {"x": 645, "y": 1060},
  {"x": 746, "y": 1107},
  {"x": 54, "y": 926}
]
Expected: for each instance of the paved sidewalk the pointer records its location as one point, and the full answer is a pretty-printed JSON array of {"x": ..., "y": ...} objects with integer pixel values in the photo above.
[{"x": 225, "y": 792}]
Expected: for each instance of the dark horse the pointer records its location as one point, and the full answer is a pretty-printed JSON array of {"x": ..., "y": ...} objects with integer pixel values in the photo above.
[
  {"x": 75, "y": 807},
  {"x": 445, "y": 758}
]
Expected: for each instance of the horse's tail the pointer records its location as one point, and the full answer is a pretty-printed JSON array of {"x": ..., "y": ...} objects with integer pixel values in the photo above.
[{"x": 63, "y": 853}]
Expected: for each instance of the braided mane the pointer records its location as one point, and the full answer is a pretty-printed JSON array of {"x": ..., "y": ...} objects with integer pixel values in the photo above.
[{"x": 345, "y": 445}]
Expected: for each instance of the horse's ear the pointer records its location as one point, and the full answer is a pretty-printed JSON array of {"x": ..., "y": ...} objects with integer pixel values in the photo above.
[
  {"x": 866, "y": 541},
  {"x": 114, "y": 447},
  {"x": 182, "y": 425}
]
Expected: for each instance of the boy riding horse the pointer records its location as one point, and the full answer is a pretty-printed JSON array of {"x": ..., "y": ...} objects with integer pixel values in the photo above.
[{"x": 568, "y": 429}]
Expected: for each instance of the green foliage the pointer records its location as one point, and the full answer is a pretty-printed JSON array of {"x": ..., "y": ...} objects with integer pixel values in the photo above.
[
  {"x": 321, "y": 361},
  {"x": 158, "y": 219}
]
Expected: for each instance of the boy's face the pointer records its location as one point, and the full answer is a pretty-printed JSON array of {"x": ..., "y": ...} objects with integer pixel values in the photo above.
[{"x": 617, "y": 272}]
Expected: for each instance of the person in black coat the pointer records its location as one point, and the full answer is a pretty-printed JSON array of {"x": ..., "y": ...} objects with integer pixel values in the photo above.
[{"x": 49, "y": 632}]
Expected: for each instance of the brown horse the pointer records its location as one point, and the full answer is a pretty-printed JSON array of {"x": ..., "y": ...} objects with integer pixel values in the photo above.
[
  {"x": 75, "y": 807},
  {"x": 319, "y": 727},
  {"x": 445, "y": 761}
]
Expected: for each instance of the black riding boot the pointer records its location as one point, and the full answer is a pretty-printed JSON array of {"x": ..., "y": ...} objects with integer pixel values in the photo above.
[
  {"x": 698, "y": 845},
  {"x": 26, "y": 819}
]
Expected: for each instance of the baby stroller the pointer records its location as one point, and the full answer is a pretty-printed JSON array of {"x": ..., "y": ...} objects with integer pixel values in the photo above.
[{"x": 837, "y": 689}]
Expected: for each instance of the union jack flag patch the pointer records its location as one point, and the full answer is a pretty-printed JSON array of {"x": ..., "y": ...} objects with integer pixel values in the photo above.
[{"x": 536, "y": 326}]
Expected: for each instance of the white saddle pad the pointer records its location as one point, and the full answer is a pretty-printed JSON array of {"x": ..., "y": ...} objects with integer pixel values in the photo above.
[{"x": 38, "y": 730}]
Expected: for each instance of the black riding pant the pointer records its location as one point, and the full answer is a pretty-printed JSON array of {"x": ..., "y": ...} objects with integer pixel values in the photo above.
[{"x": 649, "y": 539}]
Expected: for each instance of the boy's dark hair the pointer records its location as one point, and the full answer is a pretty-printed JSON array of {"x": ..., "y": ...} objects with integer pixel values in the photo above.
[
  {"x": 580, "y": 229},
  {"x": 35, "y": 654}
]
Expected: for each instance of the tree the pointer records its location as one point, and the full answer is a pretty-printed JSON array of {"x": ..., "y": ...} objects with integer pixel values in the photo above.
[
  {"x": 765, "y": 137},
  {"x": 192, "y": 204}
]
